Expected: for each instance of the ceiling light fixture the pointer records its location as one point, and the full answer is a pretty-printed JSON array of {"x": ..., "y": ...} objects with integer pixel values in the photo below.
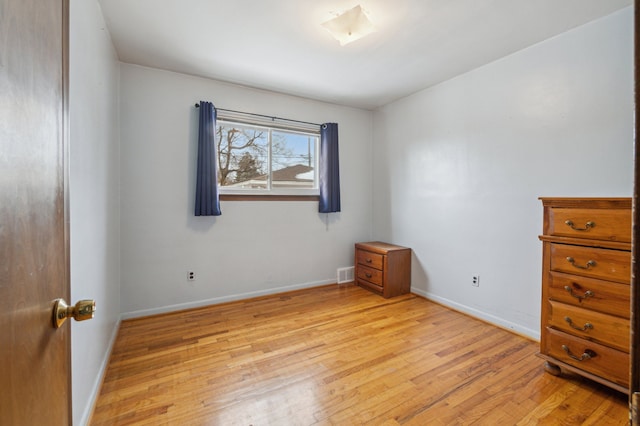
[{"x": 350, "y": 26}]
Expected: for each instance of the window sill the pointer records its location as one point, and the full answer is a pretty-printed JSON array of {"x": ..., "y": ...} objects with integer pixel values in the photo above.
[{"x": 265, "y": 197}]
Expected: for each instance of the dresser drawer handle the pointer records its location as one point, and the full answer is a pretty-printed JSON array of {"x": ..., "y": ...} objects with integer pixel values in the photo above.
[
  {"x": 368, "y": 275},
  {"x": 587, "y": 325},
  {"x": 589, "y": 264},
  {"x": 368, "y": 260},
  {"x": 587, "y": 293},
  {"x": 587, "y": 225},
  {"x": 588, "y": 354}
]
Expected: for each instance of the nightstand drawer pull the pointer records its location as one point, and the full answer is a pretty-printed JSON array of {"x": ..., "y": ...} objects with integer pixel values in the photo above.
[
  {"x": 368, "y": 275},
  {"x": 368, "y": 260},
  {"x": 588, "y": 354},
  {"x": 587, "y": 225},
  {"x": 587, "y": 293},
  {"x": 589, "y": 264},
  {"x": 587, "y": 325}
]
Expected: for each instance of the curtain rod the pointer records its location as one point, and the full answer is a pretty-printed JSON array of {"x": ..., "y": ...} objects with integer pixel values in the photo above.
[{"x": 264, "y": 116}]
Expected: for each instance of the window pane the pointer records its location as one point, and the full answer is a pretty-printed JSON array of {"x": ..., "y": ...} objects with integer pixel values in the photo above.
[
  {"x": 292, "y": 160},
  {"x": 243, "y": 155}
]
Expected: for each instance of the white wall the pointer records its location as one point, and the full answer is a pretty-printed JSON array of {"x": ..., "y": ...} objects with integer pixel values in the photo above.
[
  {"x": 459, "y": 166},
  {"x": 254, "y": 248},
  {"x": 94, "y": 198}
]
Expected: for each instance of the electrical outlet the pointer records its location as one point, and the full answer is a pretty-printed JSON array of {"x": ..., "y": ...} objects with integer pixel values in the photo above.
[
  {"x": 475, "y": 281},
  {"x": 191, "y": 276}
]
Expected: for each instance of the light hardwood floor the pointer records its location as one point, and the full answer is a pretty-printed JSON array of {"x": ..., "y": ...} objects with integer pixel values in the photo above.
[{"x": 338, "y": 355}]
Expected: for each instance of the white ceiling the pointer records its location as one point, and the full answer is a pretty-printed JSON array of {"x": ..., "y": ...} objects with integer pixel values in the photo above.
[{"x": 280, "y": 46}]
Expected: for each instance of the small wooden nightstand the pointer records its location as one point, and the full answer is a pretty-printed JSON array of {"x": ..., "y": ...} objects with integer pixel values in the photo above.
[{"x": 383, "y": 268}]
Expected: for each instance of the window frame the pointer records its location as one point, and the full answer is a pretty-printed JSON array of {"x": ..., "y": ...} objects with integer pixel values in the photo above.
[{"x": 271, "y": 194}]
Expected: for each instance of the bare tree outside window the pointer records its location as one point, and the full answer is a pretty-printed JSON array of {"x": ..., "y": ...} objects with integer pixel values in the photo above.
[{"x": 242, "y": 154}]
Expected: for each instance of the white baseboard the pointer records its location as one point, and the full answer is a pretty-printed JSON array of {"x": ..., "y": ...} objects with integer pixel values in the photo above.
[
  {"x": 500, "y": 322},
  {"x": 97, "y": 384},
  {"x": 223, "y": 299}
]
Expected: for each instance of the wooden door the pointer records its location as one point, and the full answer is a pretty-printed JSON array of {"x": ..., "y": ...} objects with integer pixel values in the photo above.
[
  {"x": 634, "y": 387},
  {"x": 35, "y": 385}
]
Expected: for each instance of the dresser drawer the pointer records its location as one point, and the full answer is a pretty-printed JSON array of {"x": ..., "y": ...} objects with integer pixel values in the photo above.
[
  {"x": 595, "y": 224},
  {"x": 604, "y": 328},
  {"x": 603, "y": 296},
  {"x": 374, "y": 276},
  {"x": 605, "y": 362},
  {"x": 611, "y": 265},
  {"x": 370, "y": 259}
]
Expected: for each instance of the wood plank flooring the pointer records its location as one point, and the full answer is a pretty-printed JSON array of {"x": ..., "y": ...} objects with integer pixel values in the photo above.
[{"x": 338, "y": 355}]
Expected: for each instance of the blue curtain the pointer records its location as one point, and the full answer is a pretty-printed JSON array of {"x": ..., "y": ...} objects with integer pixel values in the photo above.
[
  {"x": 329, "y": 178},
  {"x": 207, "y": 200}
]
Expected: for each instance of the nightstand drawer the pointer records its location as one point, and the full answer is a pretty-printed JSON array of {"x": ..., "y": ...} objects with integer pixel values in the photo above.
[
  {"x": 367, "y": 258},
  {"x": 607, "y": 329},
  {"x": 374, "y": 276},
  {"x": 602, "y": 296},
  {"x": 597, "y": 224},
  {"x": 611, "y": 265},
  {"x": 597, "y": 359}
]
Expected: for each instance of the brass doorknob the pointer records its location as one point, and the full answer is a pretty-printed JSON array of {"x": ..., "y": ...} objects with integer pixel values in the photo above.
[{"x": 83, "y": 310}]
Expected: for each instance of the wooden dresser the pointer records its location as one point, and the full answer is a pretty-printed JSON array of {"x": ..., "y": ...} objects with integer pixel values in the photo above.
[
  {"x": 586, "y": 272},
  {"x": 383, "y": 268}
]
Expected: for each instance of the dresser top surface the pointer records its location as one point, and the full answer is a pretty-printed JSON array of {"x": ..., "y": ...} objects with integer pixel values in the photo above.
[
  {"x": 590, "y": 202},
  {"x": 380, "y": 247}
]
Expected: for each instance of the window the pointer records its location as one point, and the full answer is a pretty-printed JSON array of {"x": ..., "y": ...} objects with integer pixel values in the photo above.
[{"x": 256, "y": 159}]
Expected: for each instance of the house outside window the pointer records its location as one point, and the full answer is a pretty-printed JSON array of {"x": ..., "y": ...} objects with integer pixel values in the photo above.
[{"x": 257, "y": 159}]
